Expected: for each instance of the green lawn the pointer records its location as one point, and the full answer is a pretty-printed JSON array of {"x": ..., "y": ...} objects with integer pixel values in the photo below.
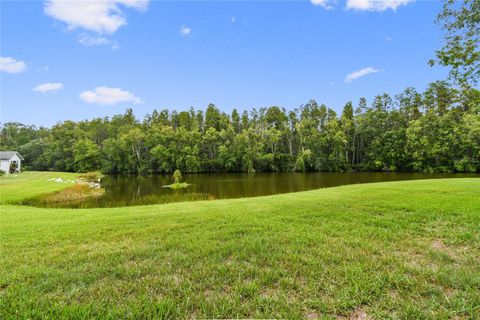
[
  {"x": 403, "y": 250},
  {"x": 16, "y": 187}
]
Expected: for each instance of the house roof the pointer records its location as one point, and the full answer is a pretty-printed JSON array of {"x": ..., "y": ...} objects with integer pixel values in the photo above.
[{"x": 7, "y": 155}]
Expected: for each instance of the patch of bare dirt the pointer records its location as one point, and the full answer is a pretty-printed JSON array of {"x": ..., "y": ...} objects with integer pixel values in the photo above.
[
  {"x": 357, "y": 314},
  {"x": 3, "y": 287},
  {"x": 312, "y": 315},
  {"x": 454, "y": 252},
  {"x": 438, "y": 245},
  {"x": 269, "y": 293},
  {"x": 393, "y": 294}
]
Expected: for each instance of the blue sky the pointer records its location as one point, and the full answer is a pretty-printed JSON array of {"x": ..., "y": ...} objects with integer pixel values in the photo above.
[{"x": 78, "y": 60}]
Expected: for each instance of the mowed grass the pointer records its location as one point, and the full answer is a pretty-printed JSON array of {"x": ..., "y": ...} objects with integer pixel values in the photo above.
[
  {"x": 16, "y": 187},
  {"x": 403, "y": 250}
]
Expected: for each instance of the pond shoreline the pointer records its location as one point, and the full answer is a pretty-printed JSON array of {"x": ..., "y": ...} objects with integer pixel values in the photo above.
[{"x": 134, "y": 190}]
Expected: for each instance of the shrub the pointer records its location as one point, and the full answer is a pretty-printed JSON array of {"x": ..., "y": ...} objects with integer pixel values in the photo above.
[
  {"x": 89, "y": 176},
  {"x": 177, "y": 176}
]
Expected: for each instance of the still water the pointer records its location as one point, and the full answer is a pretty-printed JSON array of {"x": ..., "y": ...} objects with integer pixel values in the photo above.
[{"x": 127, "y": 190}]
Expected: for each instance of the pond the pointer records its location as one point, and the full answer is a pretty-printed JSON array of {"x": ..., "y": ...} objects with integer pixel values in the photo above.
[{"x": 127, "y": 190}]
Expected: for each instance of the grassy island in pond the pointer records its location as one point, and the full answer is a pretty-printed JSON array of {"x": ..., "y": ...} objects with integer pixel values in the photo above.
[
  {"x": 180, "y": 185},
  {"x": 177, "y": 184},
  {"x": 408, "y": 250}
]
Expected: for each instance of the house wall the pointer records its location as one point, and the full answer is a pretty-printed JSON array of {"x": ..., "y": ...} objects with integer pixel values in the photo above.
[{"x": 5, "y": 164}]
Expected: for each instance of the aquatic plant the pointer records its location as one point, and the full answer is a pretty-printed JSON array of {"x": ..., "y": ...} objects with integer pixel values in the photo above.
[
  {"x": 177, "y": 184},
  {"x": 177, "y": 176}
]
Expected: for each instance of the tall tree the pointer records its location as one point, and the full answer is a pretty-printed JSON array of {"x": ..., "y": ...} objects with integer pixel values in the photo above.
[{"x": 460, "y": 20}]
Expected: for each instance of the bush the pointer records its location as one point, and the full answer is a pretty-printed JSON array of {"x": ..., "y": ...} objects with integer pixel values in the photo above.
[
  {"x": 90, "y": 176},
  {"x": 465, "y": 165}
]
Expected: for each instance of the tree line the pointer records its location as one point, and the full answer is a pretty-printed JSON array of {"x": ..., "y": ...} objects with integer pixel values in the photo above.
[{"x": 437, "y": 130}]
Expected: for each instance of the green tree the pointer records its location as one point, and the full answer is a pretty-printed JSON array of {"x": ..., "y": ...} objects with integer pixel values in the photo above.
[
  {"x": 460, "y": 20},
  {"x": 434, "y": 130},
  {"x": 86, "y": 156}
]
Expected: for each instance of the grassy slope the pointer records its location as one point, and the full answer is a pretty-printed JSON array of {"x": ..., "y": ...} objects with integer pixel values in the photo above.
[
  {"x": 403, "y": 249},
  {"x": 14, "y": 188}
]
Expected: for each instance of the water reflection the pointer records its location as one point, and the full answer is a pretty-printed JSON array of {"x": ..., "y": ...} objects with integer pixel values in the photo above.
[{"x": 121, "y": 190}]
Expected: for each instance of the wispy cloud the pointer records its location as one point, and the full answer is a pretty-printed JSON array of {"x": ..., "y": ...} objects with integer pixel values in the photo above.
[
  {"x": 185, "y": 31},
  {"x": 360, "y": 73},
  {"x": 93, "y": 41},
  {"x": 233, "y": 19},
  {"x": 43, "y": 69},
  {"x": 108, "y": 96},
  {"x": 388, "y": 39},
  {"x": 48, "y": 87},
  {"x": 363, "y": 5},
  {"x": 12, "y": 65},
  {"x": 322, "y": 3},
  {"x": 90, "y": 41},
  {"x": 375, "y": 5}
]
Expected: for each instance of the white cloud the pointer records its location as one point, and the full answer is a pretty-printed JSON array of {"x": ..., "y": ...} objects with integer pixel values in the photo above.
[
  {"x": 375, "y": 5},
  {"x": 93, "y": 41},
  {"x": 360, "y": 73},
  {"x": 185, "y": 31},
  {"x": 11, "y": 65},
  {"x": 90, "y": 41},
  {"x": 43, "y": 69},
  {"x": 103, "y": 16},
  {"x": 322, "y": 3},
  {"x": 108, "y": 96},
  {"x": 47, "y": 87},
  {"x": 388, "y": 39},
  {"x": 233, "y": 19}
]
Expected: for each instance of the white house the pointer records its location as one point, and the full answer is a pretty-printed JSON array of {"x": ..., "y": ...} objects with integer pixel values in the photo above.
[{"x": 10, "y": 160}]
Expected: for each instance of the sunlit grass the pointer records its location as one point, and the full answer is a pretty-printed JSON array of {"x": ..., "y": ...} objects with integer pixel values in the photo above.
[
  {"x": 406, "y": 250},
  {"x": 16, "y": 187},
  {"x": 67, "y": 197}
]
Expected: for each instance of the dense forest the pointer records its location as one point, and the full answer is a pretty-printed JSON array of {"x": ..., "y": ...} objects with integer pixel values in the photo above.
[{"x": 434, "y": 131}]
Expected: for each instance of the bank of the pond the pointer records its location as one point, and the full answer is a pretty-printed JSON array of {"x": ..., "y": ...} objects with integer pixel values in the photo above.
[{"x": 407, "y": 249}]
